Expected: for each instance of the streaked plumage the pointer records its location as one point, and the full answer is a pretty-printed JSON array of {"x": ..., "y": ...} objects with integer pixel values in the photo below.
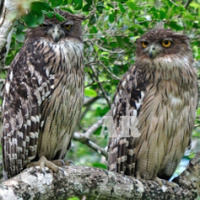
[
  {"x": 43, "y": 94},
  {"x": 160, "y": 92}
]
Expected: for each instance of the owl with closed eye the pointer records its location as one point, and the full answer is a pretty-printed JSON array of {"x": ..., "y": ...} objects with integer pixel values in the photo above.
[
  {"x": 43, "y": 95},
  {"x": 159, "y": 96}
]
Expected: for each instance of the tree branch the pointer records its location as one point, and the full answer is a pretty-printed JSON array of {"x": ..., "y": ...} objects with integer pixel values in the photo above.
[
  {"x": 8, "y": 14},
  {"x": 87, "y": 182},
  {"x": 187, "y": 4},
  {"x": 85, "y": 140},
  {"x": 85, "y": 137}
]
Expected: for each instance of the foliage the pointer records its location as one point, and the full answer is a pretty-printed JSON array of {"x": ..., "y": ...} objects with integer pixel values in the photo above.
[{"x": 109, "y": 33}]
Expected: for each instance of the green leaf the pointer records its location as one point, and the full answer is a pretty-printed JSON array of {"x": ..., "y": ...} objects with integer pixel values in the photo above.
[
  {"x": 86, "y": 7},
  {"x": 121, "y": 7},
  {"x": 176, "y": 26},
  {"x": 56, "y": 3},
  {"x": 99, "y": 165},
  {"x": 141, "y": 19},
  {"x": 194, "y": 5},
  {"x": 38, "y": 6},
  {"x": 73, "y": 198},
  {"x": 90, "y": 92},
  {"x": 131, "y": 5},
  {"x": 59, "y": 17},
  {"x": 30, "y": 20},
  {"x": 100, "y": 7},
  {"x": 20, "y": 37},
  {"x": 78, "y": 4},
  {"x": 120, "y": 41},
  {"x": 92, "y": 20},
  {"x": 89, "y": 1},
  {"x": 112, "y": 17}
]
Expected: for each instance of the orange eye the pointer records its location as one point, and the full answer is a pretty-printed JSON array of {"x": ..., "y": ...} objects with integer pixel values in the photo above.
[
  {"x": 166, "y": 43},
  {"x": 68, "y": 26},
  {"x": 145, "y": 44}
]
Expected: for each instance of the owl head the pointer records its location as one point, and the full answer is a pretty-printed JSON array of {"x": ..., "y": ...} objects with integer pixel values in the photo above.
[
  {"x": 54, "y": 30},
  {"x": 163, "y": 45}
]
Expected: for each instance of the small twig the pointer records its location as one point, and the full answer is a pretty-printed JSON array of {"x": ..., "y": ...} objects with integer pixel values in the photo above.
[
  {"x": 94, "y": 127},
  {"x": 187, "y": 4},
  {"x": 110, "y": 51},
  {"x": 174, "y": 3},
  {"x": 89, "y": 101},
  {"x": 101, "y": 87},
  {"x": 83, "y": 139},
  {"x": 7, "y": 67},
  {"x": 91, "y": 13},
  {"x": 101, "y": 82},
  {"x": 110, "y": 73}
]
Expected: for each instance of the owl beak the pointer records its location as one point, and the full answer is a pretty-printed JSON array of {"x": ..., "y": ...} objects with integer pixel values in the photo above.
[
  {"x": 56, "y": 33},
  {"x": 154, "y": 50}
]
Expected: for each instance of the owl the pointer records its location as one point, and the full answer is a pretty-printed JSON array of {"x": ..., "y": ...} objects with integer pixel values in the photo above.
[
  {"x": 43, "y": 95},
  {"x": 157, "y": 98}
]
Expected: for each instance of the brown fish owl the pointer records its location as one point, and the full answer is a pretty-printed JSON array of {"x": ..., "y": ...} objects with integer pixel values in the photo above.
[
  {"x": 43, "y": 94},
  {"x": 159, "y": 94}
]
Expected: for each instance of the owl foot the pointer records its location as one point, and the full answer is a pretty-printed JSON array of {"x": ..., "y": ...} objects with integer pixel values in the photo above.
[
  {"x": 63, "y": 163},
  {"x": 43, "y": 162},
  {"x": 163, "y": 182}
]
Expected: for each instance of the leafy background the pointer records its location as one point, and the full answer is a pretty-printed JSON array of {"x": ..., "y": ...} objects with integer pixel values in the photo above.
[{"x": 109, "y": 33}]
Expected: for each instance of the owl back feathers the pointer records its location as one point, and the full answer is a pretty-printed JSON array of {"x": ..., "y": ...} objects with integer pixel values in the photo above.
[{"x": 127, "y": 102}]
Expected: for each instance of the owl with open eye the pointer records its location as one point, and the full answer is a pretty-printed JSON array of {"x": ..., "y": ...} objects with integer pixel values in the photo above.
[
  {"x": 43, "y": 95},
  {"x": 159, "y": 94}
]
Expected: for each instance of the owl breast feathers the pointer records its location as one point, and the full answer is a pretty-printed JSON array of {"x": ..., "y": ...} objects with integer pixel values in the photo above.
[
  {"x": 43, "y": 94},
  {"x": 159, "y": 98}
]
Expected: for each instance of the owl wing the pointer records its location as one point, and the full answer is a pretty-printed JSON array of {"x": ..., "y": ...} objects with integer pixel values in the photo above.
[
  {"x": 24, "y": 92},
  {"x": 127, "y": 102}
]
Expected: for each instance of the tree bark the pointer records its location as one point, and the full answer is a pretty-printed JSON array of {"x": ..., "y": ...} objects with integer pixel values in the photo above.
[
  {"x": 8, "y": 14},
  {"x": 93, "y": 183}
]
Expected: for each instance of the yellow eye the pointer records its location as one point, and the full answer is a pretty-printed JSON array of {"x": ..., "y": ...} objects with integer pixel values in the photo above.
[
  {"x": 68, "y": 26},
  {"x": 145, "y": 44},
  {"x": 43, "y": 25},
  {"x": 166, "y": 43}
]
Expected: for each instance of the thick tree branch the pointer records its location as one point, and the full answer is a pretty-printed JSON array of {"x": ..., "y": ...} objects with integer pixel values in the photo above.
[
  {"x": 91, "y": 183},
  {"x": 190, "y": 178}
]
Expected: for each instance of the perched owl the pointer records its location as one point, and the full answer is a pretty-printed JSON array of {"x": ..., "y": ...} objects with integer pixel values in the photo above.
[
  {"x": 159, "y": 98},
  {"x": 43, "y": 94}
]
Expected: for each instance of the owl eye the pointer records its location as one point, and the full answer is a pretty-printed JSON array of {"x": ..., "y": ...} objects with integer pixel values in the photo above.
[
  {"x": 166, "y": 43},
  {"x": 43, "y": 25},
  {"x": 67, "y": 26},
  {"x": 145, "y": 44}
]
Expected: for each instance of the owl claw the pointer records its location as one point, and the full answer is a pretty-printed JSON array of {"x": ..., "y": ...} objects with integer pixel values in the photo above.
[
  {"x": 43, "y": 162},
  {"x": 43, "y": 171},
  {"x": 62, "y": 163},
  {"x": 163, "y": 182},
  {"x": 62, "y": 170}
]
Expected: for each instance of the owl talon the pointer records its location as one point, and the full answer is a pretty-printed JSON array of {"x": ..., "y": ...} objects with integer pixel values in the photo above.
[
  {"x": 62, "y": 170},
  {"x": 62, "y": 163},
  {"x": 69, "y": 163},
  {"x": 163, "y": 182},
  {"x": 43, "y": 171},
  {"x": 43, "y": 162}
]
